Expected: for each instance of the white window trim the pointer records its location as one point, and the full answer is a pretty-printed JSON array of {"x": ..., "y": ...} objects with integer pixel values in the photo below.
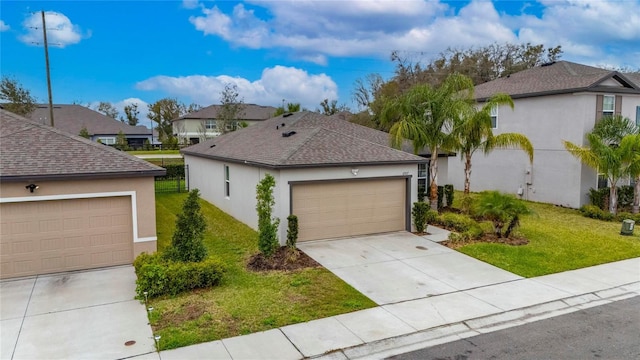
[
  {"x": 611, "y": 112},
  {"x": 227, "y": 182},
  {"x": 210, "y": 125},
  {"x": 494, "y": 114}
]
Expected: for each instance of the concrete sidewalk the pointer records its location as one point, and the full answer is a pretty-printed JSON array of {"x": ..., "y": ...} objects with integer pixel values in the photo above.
[{"x": 398, "y": 327}]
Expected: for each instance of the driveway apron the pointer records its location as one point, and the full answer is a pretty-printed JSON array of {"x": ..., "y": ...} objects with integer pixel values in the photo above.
[
  {"x": 75, "y": 315},
  {"x": 400, "y": 266}
]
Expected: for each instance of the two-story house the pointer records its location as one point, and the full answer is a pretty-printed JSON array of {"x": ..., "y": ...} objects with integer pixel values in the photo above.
[
  {"x": 553, "y": 102},
  {"x": 204, "y": 124}
]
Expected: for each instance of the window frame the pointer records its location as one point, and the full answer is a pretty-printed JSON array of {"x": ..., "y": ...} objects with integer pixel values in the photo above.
[
  {"x": 494, "y": 117},
  {"x": 637, "y": 115},
  {"x": 423, "y": 179},
  {"x": 210, "y": 124},
  {"x": 227, "y": 181},
  {"x": 606, "y": 112}
]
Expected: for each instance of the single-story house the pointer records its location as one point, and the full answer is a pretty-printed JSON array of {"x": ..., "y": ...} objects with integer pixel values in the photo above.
[
  {"x": 340, "y": 179},
  {"x": 67, "y": 203},
  {"x": 73, "y": 118},
  {"x": 203, "y": 124},
  {"x": 553, "y": 102}
]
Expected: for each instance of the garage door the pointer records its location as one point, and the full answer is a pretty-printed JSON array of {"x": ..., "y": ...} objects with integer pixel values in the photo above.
[
  {"x": 43, "y": 237},
  {"x": 328, "y": 210}
]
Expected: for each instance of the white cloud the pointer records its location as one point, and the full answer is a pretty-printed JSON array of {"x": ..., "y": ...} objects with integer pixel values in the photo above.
[
  {"x": 190, "y": 4},
  {"x": 275, "y": 84},
  {"x": 314, "y": 31},
  {"x": 3, "y": 26},
  {"x": 60, "y": 31}
]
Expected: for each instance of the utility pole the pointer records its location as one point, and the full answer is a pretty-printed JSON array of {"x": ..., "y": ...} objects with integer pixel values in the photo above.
[{"x": 46, "y": 58}]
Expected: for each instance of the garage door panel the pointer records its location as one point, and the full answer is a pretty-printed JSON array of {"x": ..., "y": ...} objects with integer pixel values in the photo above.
[
  {"x": 348, "y": 208},
  {"x": 63, "y": 235}
]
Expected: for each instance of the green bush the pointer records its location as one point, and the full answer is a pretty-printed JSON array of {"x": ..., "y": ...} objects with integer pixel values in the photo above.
[
  {"x": 625, "y": 197},
  {"x": 456, "y": 222},
  {"x": 448, "y": 193},
  {"x": 267, "y": 226},
  {"x": 599, "y": 197},
  {"x": 292, "y": 231},
  {"x": 430, "y": 217},
  {"x": 419, "y": 215},
  {"x": 440, "y": 196},
  {"x": 174, "y": 170},
  {"x": 594, "y": 212},
  {"x": 157, "y": 276},
  {"x": 187, "y": 242}
]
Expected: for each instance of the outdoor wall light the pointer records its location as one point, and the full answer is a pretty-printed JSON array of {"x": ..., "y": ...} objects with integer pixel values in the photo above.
[
  {"x": 32, "y": 187},
  {"x": 355, "y": 172}
]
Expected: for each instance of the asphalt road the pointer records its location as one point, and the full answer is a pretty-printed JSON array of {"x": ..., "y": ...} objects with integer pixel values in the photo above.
[{"x": 609, "y": 332}]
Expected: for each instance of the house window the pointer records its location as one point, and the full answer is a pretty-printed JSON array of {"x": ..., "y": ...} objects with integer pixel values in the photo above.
[
  {"x": 227, "y": 190},
  {"x": 637, "y": 115},
  {"x": 422, "y": 180},
  {"x": 210, "y": 124},
  {"x": 608, "y": 105},
  {"x": 603, "y": 181},
  {"x": 108, "y": 140},
  {"x": 494, "y": 117}
]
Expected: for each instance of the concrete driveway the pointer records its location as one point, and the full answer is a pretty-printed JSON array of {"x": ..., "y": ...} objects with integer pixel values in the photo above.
[
  {"x": 395, "y": 267},
  {"x": 75, "y": 315}
]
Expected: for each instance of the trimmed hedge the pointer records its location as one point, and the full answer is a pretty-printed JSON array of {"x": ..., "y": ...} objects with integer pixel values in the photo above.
[
  {"x": 157, "y": 276},
  {"x": 466, "y": 228},
  {"x": 174, "y": 170}
]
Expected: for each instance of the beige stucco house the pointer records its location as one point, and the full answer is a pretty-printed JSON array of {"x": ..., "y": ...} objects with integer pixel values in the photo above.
[
  {"x": 553, "y": 102},
  {"x": 67, "y": 203},
  {"x": 203, "y": 124},
  {"x": 339, "y": 178}
]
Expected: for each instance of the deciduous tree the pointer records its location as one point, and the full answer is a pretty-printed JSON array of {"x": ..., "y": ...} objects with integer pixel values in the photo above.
[
  {"x": 15, "y": 97},
  {"x": 107, "y": 109},
  {"x": 231, "y": 110},
  {"x": 131, "y": 112}
]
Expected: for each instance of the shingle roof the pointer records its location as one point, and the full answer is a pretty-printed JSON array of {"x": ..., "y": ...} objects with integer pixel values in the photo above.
[
  {"x": 31, "y": 151},
  {"x": 72, "y": 118},
  {"x": 249, "y": 112},
  {"x": 555, "y": 78},
  {"x": 319, "y": 140}
]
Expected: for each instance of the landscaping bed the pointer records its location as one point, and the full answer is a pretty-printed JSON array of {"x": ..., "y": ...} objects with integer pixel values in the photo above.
[{"x": 245, "y": 301}]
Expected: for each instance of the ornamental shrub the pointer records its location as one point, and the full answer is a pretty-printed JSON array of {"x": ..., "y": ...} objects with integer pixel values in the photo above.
[
  {"x": 267, "y": 226},
  {"x": 187, "y": 242},
  {"x": 292, "y": 231},
  {"x": 419, "y": 215}
]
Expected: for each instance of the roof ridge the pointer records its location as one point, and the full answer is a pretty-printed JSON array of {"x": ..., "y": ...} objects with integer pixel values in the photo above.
[{"x": 370, "y": 142}]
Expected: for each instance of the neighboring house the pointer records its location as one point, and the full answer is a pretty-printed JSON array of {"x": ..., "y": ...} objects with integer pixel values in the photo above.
[
  {"x": 203, "y": 124},
  {"x": 339, "y": 178},
  {"x": 553, "y": 102},
  {"x": 72, "y": 118},
  {"x": 67, "y": 203}
]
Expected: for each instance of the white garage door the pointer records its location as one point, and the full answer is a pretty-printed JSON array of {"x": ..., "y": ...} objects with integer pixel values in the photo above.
[
  {"x": 347, "y": 208},
  {"x": 43, "y": 237}
]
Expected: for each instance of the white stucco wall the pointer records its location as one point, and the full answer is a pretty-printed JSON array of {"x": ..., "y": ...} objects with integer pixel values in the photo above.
[
  {"x": 557, "y": 177},
  {"x": 208, "y": 176}
]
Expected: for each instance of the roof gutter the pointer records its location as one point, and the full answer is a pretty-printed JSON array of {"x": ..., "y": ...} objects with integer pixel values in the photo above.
[{"x": 86, "y": 176}]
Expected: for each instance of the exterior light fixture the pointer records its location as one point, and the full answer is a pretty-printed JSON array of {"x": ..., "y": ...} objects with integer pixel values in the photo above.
[
  {"x": 354, "y": 171},
  {"x": 32, "y": 187}
]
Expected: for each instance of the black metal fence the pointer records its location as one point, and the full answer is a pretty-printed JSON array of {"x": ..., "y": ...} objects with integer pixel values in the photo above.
[{"x": 176, "y": 179}]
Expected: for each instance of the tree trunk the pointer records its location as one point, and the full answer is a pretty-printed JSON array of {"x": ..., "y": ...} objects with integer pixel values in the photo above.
[
  {"x": 512, "y": 225},
  {"x": 613, "y": 198},
  {"x": 467, "y": 173},
  {"x": 433, "y": 173},
  {"x": 636, "y": 196},
  {"x": 497, "y": 228}
]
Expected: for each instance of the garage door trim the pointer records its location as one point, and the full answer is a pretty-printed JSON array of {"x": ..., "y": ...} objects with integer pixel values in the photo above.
[
  {"x": 132, "y": 194},
  {"x": 407, "y": 187}
]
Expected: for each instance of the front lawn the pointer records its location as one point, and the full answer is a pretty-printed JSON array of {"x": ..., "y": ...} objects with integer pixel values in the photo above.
[
  {"x": 245, "y": 302},
  {"x": 560, "y": 239}
]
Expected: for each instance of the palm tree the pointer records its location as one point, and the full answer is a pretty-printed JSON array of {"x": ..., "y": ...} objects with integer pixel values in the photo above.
[
  {"x": 614, "y": 160},
  {"x": 425, "y": 116},
  {"x": 501, "y": 209},
  {"x": 474, "y": 132},
  {"x": 632, "y": 146}
]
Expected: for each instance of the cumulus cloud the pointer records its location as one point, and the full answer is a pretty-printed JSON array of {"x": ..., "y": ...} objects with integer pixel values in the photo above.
[
  {"x": 275, "y": 84},
  {"x": 3, "y": 26},
  {"x": 190, "y": 4},
  {"x": 317, "y": 30},
  {"x": 60, "y": 30}
]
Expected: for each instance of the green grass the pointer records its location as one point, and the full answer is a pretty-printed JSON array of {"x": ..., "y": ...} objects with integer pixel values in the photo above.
[
  {"x": 245, "y": 302},
  {"x": 153, "y": 152},
  {"x": 560, "y": 239}
]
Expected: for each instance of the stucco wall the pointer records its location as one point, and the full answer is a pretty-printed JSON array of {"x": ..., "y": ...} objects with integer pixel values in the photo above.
[
  {"x": 142, "y": 189},
  {"x": 208, "y": 176},
  {"x": 556, "y": 176}
]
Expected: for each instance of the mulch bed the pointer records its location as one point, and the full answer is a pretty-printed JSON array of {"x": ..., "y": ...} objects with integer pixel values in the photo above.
[
  {"x": 487, "y": 238},
  {"x": 284, "y": 259}
]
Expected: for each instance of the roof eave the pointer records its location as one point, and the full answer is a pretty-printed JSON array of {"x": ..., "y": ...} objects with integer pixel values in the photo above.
[
  {"x": 607, "y": 89},
  {"x": 83, "y": 176}
]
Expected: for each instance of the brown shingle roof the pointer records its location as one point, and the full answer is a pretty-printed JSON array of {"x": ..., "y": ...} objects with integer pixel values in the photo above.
[
  {"x": 319, "y": 140},
  {"x": 249, "y": 112},
  {"x": 31, "y": 151},
  {"x": 555, "y": 78},
  {"x": 72, "y": 118}
]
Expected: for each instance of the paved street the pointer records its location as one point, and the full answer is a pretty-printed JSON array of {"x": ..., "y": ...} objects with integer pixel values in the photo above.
[{"x": 609, "y": 331}]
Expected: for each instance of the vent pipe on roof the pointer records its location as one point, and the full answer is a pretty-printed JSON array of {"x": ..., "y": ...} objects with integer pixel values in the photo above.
[
  {"x": 288, "y": 133},
  {"x": 287, "y": 114}
]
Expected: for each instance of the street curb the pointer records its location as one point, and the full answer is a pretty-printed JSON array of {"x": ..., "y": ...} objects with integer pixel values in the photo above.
[{"x": 472, "y": 327}]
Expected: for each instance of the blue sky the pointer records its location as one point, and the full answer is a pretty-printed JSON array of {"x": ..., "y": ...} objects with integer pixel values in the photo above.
[{"x": 300, "y": 51}]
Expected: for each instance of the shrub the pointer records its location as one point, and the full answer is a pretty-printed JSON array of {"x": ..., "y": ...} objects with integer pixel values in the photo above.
[
  {"x": 456, "y": 222},
  {"x": 419, "y": 215},
  {"x": 625, "y": 197},
  {"x": 267, "y": 226},
  {"x": 440, "y": 196},
  {"x": 187, "y": 242},
  {"x": 431, "y": 216},
  {"x": 292, "y": 231},
  {"x": 501, "y": 209},
  {"x": 599, "y": 197},
  {"x": 594, "y": 212},
  {"x": 157, "y": 276},
  {"x": 174, "y": 170},
  {"x": 466, "y": 203},
  {"x": 448, "y": 193}
]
